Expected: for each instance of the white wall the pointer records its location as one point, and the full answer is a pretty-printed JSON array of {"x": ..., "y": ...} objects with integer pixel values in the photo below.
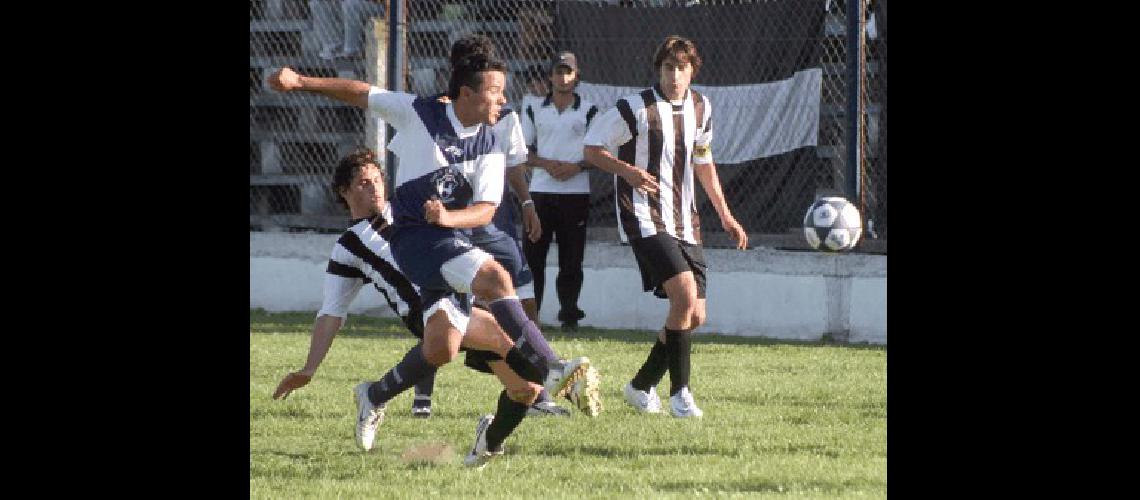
[{"x": 757, "y": 292}]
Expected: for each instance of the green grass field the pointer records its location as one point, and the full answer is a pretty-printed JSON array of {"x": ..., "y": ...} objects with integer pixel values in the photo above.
[{"x": 782, "y": 419}]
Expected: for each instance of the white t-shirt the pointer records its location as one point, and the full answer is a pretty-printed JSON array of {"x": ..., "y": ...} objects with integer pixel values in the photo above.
[{"x": 557, "y": 136}]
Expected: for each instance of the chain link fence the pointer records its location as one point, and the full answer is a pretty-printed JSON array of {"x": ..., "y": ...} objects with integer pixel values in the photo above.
[{"x": 296, "y": 139}]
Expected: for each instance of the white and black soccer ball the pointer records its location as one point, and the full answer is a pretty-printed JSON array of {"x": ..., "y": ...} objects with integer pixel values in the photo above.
[{"x": 832, "y": 224}]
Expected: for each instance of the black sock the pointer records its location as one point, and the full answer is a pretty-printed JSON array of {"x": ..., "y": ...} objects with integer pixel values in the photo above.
[
  {"x": 407, "y": 372},
  {"x": 524, "y": 367},
  {"x": 426, "y": 385},
  {"x": 424, "y": 389},
  {"x": 508, "y": 416},
  {"x": 653, "y": 368},
  {"x": 677, "y": 347}
]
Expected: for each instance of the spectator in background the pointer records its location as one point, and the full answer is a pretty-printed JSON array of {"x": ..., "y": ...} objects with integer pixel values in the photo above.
[
  {"x": 554, "y": 128},
  {"x": 340, "y": 25}
]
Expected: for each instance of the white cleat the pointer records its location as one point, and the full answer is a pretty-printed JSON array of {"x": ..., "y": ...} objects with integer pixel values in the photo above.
[
  {"x": 586, "y": 393},
  {"x": 368, "y": 417},
  {"x": 683, "y": 406},
  {"x": 643, "y": 401},
  {"x": 560, "y": 379},
  {"x": 479, "y": 454}
]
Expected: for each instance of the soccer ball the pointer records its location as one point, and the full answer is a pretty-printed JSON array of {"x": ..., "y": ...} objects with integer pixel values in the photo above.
[{"x": 832, "y": 224}]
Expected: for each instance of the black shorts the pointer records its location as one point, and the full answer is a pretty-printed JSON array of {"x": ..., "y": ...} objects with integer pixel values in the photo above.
[{"x": 661, "y": 256}]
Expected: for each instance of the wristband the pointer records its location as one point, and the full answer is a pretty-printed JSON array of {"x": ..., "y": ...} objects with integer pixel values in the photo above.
[{"x": 528, "y": 202}]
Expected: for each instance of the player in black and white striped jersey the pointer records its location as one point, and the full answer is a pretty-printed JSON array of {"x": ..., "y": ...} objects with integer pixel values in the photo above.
[
  {"x": 359, "y": 254},
  {"x": 362, "y": 255},
  {"x": 662, "y": 137}
]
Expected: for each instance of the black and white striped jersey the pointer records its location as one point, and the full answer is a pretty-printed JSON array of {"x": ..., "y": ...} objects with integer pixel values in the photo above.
[
  {"x": 360, "y": 256},
  {"x": 651, "y": 133}
]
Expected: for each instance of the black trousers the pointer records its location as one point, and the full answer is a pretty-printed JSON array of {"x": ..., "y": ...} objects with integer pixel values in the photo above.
[{"x": 563, "y": 217}]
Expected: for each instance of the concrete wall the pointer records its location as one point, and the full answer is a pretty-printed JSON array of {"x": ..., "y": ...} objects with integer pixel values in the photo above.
[{"x": 757, "y": 292}]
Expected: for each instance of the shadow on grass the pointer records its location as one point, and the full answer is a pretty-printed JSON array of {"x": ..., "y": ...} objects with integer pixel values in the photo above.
[{"x": 298, "y": 323}]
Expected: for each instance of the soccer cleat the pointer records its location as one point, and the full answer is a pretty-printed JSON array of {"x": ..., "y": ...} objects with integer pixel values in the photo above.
[
  {"x": 547, "y": 409},
  {"x": 643, "y": 401},
  {"x": 561, "y": 377},
  {"x": 682, "y": 404},
  {"x": 586, "y": 393},
  {"x": 421, "y": 406},
  {"x": 368, "y": 417},
  {"x": 479, "y": 454}
]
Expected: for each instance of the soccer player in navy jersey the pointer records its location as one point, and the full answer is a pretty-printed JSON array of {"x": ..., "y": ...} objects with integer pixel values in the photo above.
[{"x": 450, "y": 178}]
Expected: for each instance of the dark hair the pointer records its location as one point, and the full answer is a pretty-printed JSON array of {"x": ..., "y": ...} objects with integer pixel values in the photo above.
[
  {"x": 679, "y": 47},
  {"x": 347, "y": 169},
  {"x": 468, "y": 70},
  {"x": 470, "y": 45}
]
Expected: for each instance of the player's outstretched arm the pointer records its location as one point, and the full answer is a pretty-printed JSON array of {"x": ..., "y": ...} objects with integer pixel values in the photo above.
[
  {"x": 348, "y": 91},
  {"x": 324, "y": 330},
  {"x": 706, "y": 174}
]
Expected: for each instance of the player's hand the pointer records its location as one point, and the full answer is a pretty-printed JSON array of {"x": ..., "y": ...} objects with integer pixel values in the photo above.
[
  {"x": 525, "y": 394},
  {"x": 284, "y": 80},
  {"x": 531, "y": 225},
  {"x": 735, "y": 230},
  {"x": 640, "y": 179},
  {"x": 436, "y": 213},
  {"x": 444, "y": 99},
  {"x": 292, "y": 381},
  {"x": 554, "y": 168},
  {"x": 567, "y": 170}
]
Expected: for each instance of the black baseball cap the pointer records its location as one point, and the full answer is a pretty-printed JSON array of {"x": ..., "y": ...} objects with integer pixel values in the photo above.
[{"x": 564, "y": 58}]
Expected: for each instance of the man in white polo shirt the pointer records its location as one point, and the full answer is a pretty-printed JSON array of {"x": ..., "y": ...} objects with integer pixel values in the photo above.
[{"x": 554, "y": 128}]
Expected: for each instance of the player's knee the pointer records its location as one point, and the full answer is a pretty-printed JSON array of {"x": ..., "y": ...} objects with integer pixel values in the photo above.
[
  {"x": 438, "y": 345},
  {"x": 492, "y": 281},
  {"x": 439, "y": 355},
  {"x": 684, "y": 304},
  {"x": 697, "y": 318}
]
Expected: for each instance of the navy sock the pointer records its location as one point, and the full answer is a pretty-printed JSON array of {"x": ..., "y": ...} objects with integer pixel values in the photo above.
[
  {"x": 677, "y": 347},
  {"x": 653, "y": 368},
  {"x": 511, "y": 316},
  {"x": 507, "y": 417},
  {"x": 407, "y": 372}
]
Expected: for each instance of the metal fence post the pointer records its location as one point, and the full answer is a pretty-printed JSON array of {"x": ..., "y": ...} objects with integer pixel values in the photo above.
[
  {"x": 397, "y": 64},
  {"x": 854, "y": 102}
]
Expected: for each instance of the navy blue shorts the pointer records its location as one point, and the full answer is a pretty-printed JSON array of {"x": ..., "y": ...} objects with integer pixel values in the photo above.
[
  {"x": 507, "y": 251},
  {"x": 421, "y": 252}
]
